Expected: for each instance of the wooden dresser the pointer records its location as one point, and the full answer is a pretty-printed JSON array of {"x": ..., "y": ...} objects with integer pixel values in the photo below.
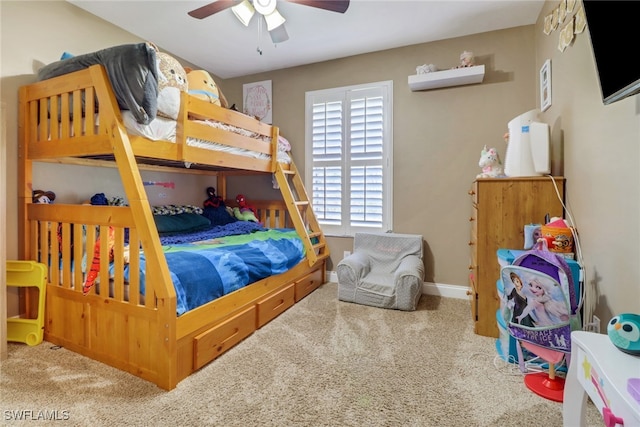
[{"x": 501, "y": 209}]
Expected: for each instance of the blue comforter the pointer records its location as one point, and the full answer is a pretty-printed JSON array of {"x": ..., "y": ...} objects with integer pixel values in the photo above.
[{"x": 205, "y": 270}]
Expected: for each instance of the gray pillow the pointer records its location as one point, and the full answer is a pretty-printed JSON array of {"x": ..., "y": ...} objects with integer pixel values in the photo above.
[{"x": 132, "y": 72}]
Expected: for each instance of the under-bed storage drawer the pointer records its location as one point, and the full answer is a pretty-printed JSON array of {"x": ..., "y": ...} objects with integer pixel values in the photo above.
[
  {"x": 308, "y": 284},
  {"x": 272, "y": 306},
  {"x": 212, "y": 343}
]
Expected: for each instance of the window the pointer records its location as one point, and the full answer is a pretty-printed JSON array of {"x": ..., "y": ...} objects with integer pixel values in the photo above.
[{"x": 349, "y": 157}]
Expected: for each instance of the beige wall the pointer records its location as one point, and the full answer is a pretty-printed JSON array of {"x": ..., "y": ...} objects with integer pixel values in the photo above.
[
  {"x": 438, "y": 134},
  {"x": 602, "y": 165},
  {"x": 80, "y": 33}
]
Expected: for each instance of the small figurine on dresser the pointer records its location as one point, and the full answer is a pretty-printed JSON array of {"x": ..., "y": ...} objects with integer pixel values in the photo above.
[{"x": 490, "y": 163}]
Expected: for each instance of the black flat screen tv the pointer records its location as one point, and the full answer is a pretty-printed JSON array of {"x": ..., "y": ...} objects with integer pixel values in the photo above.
[{"x": 613, "y": 29}]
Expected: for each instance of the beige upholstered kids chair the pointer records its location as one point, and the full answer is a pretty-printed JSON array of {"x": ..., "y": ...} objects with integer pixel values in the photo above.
[{"x": 385, "y": 270}]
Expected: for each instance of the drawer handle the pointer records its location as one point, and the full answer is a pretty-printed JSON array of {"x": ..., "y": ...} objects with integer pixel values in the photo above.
[
  {"x": 471, "y": 192},
  {"x": 279, "y": 304},
  {"x": 220, "y": 347},
  {"x": 471, "y": 243},
  {"x": 471, "y": 219}
]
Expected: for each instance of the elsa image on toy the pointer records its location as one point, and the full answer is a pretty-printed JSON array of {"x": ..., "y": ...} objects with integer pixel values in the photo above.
[{"x": 546, "y": 304}]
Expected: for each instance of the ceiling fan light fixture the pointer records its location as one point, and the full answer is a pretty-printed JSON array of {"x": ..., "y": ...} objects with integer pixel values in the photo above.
[
  {"x": 264, "y": 7},
  {"x": 244, "y": 12},
  {"x": 279, "y": 34},
  {"x": 274, "y": 20}
]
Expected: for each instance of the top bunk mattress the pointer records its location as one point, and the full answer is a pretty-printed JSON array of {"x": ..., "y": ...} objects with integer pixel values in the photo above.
[
  {"x": 163, "y": 129},
  {"x": 149, "y": 87}
]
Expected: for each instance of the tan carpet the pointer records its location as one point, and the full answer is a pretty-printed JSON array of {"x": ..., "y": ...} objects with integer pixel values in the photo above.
[{"x": 321, "y": 363}]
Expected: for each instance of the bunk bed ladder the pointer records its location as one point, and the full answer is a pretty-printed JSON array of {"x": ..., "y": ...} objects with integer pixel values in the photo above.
[{"x": 301, "y": 213}]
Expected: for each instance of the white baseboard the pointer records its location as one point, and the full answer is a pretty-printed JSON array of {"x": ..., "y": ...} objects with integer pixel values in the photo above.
[{"x": 428, "y": 288}]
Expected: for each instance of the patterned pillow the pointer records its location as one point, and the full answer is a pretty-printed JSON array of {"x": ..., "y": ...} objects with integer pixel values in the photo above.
[
  {"x": 175, "y": 209},
  {"x": 172, "y": 79}
]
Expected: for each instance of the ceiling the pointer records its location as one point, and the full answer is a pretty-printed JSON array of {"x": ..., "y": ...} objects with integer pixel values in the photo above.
[{"x": 222, "y": 45}]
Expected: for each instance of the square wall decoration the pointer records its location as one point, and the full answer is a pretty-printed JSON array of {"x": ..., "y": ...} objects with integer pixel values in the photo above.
[{"x": 256, "y": 100}]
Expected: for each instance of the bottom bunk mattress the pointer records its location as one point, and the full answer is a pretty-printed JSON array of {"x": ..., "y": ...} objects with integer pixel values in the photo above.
[
  {"x": 205, "y": 270},
  {"x": 209, "y": 264}
]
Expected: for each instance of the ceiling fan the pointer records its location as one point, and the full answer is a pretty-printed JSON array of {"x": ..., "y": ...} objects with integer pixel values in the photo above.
[{"x": 245, "y": 9}]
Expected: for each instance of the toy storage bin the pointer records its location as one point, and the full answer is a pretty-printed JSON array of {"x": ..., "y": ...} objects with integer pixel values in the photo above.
[{"x": 26, "y": 274}]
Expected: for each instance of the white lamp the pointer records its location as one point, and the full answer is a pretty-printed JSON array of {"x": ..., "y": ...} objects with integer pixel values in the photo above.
[{"x": 244, "y": 12}]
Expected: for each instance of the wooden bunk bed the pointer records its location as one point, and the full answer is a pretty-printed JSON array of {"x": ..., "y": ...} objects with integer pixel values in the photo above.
[{"x": 115, "y": 324}]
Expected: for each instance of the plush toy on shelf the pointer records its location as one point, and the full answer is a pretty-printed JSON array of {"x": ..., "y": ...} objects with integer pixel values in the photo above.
[
  {"x": 490, "y": 163},
  {"x": 466, "y": 59}
]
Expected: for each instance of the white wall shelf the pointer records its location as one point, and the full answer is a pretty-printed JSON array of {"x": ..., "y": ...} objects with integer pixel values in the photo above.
[{"x": 447, "y": 78}]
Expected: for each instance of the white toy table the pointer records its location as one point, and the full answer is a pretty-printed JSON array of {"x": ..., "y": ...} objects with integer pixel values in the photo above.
[{"x": 609, "y": 376}]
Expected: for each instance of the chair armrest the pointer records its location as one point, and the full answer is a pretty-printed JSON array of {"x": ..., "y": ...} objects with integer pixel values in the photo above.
[
  {"x": 410, "y": 265},
  {"x": 354, "y": 267}
]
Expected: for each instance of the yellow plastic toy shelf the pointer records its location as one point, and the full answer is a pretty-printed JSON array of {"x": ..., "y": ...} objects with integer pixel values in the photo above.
[{"x": 27, "y": 274}]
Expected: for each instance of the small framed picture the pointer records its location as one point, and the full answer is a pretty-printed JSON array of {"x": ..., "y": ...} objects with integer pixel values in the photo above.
[
  {"x": 545, "y": 85},
  {"x": 257, "y": 100}
]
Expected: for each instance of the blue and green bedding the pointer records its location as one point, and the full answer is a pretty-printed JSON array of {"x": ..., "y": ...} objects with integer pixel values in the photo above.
[{"x": 211, "y": 267}]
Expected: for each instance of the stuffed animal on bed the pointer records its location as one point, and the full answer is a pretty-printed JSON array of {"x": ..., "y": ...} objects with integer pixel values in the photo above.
[
  {"x": 244, "y": 211},
  {"x": 202, "y": 86},
  {"x": 215, "y": 209},
  {"x": 172, "y": 79},
  {"x": 213, "y": 200}
]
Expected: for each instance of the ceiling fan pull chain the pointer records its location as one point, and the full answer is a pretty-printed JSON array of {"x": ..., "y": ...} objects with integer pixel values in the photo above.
[{"x": 259, "y": 36}]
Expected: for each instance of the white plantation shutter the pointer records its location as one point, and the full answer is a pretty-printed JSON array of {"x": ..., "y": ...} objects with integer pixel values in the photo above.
[{"x": 348, "y": 162}]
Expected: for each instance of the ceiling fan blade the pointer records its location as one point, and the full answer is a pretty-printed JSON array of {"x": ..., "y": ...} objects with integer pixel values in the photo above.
[
  {"x": 339, "y": 6},
  {"x": 279, "y": 34},
  {"x": 211, "y": 8}
]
